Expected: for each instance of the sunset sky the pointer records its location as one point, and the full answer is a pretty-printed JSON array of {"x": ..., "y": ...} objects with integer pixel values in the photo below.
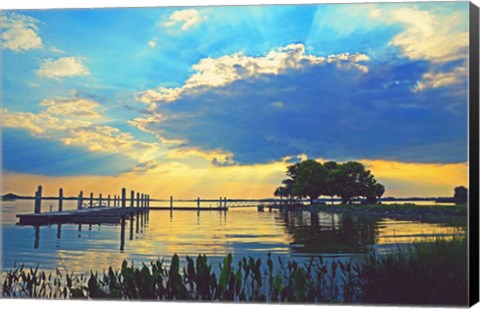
[{"x": 217, "y": 101}]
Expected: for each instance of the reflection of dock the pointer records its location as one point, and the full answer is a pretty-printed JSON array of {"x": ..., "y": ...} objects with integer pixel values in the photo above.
[
  {"x": 83, "y": 216},
  {"x": 188, "y": 208}
]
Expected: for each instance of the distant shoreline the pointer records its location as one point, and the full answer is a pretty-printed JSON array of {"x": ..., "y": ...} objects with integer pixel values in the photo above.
[{"x": 13, "y": 196}]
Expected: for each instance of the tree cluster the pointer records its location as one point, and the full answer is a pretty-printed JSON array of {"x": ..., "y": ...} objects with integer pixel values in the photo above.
[
  {"x": 460, "y": 195},
  {"x": 348, "y": 180}
]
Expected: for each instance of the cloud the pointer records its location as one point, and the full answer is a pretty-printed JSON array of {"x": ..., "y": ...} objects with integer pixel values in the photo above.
[
  {"x": 185, "y": 18},
  {"x": 277, "y": 104},
  {"x": 437, "y": 38},
  {"x": 77, "y": 107},
  {"x": 143, "y": 124},
  {"x": 19, "y": 32},
  {"x": 152, "y": 43},
  {"x": 65, "y": 120},
  {"x": 214, "y": 157},
  {"x": 435, "y": 79},
  {"x": 63, "y": 67},
  {"x": 41, "y": 124},
  {"x": 219, "y": 72},
  {"x": 328, "y": 112},
  {"x": 429, "y": 36}
]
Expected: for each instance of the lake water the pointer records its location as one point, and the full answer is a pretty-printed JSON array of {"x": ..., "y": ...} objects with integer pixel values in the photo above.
[{"x": 242, "y": 232}]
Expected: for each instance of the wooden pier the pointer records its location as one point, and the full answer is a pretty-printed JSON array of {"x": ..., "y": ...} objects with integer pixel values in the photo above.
[
  {"x": 107, "y": 209},
  {"x": 89, "y": 211}
]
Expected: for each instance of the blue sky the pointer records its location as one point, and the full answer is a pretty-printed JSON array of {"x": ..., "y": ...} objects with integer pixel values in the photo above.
[{"x": 109, "y": 92}]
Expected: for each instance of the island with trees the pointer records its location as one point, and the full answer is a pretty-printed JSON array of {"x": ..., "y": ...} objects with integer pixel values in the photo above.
[{"x": 351, "y": 183}]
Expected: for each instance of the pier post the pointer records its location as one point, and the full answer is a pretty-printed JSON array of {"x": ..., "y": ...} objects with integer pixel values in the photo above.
[
  {"x": 60, "y": 199},
  {"x": 38, "y": 200},
  {"x": 220, "y": 203},
  {"x": 198, "y": 203},
  {"x": 80, "y": 200},
  {"x": 132, "y": 199},
  {"x": 100, "y": 200},
  {"x": 171, "y": 202},
  {"x": 91, "y": 199},
  {"x": 225, "y": 203},
  {"x": 148, "y": 201},
  {"x": 143, "y": 200},
  {"x": 138, "y": 200},
  {"x": 108, "y": 201},
  {"x": 124, "y": 195},
  {"x": 115, "y": 201}
]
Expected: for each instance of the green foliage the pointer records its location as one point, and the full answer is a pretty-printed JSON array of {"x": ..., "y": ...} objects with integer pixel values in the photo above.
[
  {"x": 347, "y": 180},
  {"x": 461, "y": 195},
  {"x": 426, "y": 273},
  {"x": 310, "y": 179}
]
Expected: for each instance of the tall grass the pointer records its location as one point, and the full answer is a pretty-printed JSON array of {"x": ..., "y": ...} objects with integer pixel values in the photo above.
[
  {"x": 426, "y": 273},
  {"x": 434, "y": 273}
]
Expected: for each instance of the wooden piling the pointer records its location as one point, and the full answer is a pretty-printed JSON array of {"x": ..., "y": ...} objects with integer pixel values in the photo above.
[
  {"x": 198, "y": 203},
  {"x": 132, "y": 199},
  {"x": 60, "y": 199},
  {"x": 80, "y": 200},
  {"x": 108, "y": 201},
  {"x": 138, "y": 200},
  {"x": 171, "y": 202},
  {"x": 114, "y": 201},
  {"x": 225, "y": 203},
  {"x": 91, "y": 199},
  {"x": 124, "y": 196},
  {"x": 38, "y": 200},
  {"x": 100, "y": 200}
]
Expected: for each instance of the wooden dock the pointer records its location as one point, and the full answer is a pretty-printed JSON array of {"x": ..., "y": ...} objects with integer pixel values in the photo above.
[
  {"x": 89, "y": 211},
  {"x": 107, "y": 209}
]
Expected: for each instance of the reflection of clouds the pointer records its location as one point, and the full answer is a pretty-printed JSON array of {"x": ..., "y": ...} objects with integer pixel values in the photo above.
[
  {"x": 215, "y": 234},
  {"x": 240, "y": 232}
]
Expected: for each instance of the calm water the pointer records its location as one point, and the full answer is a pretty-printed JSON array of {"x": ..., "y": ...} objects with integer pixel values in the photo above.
[{"x": 243, "y": 232}]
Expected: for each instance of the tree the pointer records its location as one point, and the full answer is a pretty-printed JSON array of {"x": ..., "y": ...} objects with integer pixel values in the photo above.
[
  {"x": 461, "y": 195},
  {"x": 330, "y": 185},
  {"x": 353, "y": 180},
  {"x": 310, "y": 179},
  {"x": 379, "y": 190}
]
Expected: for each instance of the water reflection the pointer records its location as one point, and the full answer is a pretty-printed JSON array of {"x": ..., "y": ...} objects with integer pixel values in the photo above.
[
  {"x": 36, "y": 242},
  {"x": 320, "y": 233},
  {"x": 243, "y": 232}
]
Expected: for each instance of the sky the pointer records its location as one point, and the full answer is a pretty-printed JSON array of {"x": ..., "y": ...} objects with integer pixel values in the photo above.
[{"x": 217, "y": 101}]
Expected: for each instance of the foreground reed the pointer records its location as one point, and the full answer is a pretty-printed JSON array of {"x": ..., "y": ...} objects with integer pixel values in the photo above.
[{"x": 425, "y": 273}]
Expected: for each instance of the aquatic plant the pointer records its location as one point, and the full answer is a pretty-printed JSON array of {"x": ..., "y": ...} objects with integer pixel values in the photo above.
[{"x": 426, "y": 273}]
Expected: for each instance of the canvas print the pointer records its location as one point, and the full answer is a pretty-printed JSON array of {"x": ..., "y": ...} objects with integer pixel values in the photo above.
[{"x": 265, "y": 153}]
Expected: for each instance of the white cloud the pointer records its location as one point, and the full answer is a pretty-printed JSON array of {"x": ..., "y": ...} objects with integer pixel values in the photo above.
[
  {"x": 217, "y": 72},
  {"x": 143, "y": 124},
  {"x": 185, "y": 18},
  {"x": 152, "y": 43},
  {"x": 19, "y": 32},
  {"x": 63, "y": 67},
  {"x": 78, "y": 107},
  {"x": 277, "y": 104},
  {"x": 71, "y": 128},
  {"x": 434, "y": 79},
  {"x": 41, "y": 124},
  {"x": 429, "y": 36}
]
